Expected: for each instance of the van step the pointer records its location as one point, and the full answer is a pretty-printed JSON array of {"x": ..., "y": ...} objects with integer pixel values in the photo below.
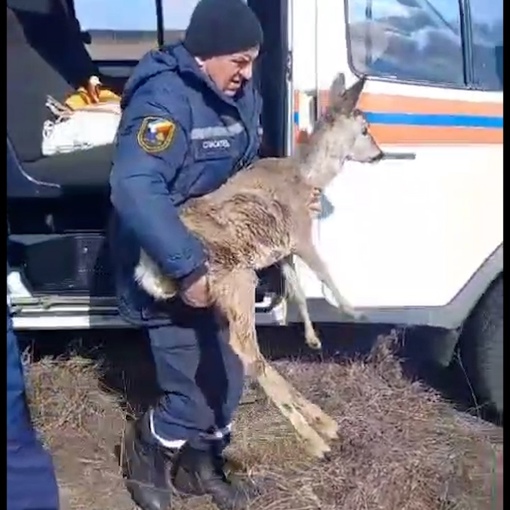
[{"x": 79, "y": 312}]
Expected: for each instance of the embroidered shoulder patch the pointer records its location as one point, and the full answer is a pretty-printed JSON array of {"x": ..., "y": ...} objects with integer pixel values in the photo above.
[{"x": 155, "y": 134}]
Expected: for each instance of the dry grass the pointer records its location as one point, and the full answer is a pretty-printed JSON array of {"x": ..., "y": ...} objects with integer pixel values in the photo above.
[{"x": 402, "y": 447}]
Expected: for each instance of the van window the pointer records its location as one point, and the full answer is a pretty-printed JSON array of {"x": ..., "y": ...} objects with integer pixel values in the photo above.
[
  {"x": 408, "y": 40},
  {"x": 487, "y": 30},
  {"x": 119, "y": 29},
  {"x": 176, "y": 16}
]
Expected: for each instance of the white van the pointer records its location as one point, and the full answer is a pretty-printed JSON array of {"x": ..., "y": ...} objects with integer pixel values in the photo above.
[{"x": 415, "y": 239}]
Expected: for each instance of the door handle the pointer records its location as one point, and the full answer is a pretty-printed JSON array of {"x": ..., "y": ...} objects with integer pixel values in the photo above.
[{"x": 396, "y": 156}]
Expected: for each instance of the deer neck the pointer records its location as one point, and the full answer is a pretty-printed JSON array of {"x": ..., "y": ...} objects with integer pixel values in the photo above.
[{"x": 321, "y": 162}]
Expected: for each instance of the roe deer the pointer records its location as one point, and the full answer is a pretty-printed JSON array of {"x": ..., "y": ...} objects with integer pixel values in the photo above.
[{"x": 259, "y": 217}]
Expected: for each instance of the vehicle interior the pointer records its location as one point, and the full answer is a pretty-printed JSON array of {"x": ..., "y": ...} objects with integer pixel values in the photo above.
[{"x": 59, "y": 205}]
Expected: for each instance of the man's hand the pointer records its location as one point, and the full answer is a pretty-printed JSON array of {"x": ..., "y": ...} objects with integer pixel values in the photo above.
[
  {"x": 314, "y": 202},
  {"x": 195, "y": 291}
]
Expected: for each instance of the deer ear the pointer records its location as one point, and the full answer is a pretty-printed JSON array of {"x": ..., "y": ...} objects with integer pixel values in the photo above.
[
  {"x": 337, "y": 88},
  {"x": 351, "y": 96}
]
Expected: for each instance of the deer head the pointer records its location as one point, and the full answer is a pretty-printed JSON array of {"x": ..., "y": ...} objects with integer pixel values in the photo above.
[{"x": 340, "y": 133}]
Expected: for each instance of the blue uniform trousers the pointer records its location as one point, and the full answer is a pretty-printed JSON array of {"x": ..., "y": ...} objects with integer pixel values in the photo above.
[
  {"x": 201, "y": 377},
  {"x": 31, "y": 482}
]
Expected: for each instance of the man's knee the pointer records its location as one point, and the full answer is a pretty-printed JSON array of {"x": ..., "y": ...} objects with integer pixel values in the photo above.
[
  {"x": 220, "y": 375},
  {"x": 176, "y": 356}
]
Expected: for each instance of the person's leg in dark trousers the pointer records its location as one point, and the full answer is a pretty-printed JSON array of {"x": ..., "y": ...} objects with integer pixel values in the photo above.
[
  {"x": 201, "y": 377},
  {"x": 202, "y": 381},
  {"x": 31, "y": 481}
]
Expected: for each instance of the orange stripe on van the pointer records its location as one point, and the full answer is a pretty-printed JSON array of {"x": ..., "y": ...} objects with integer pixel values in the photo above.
[
  {"x": 389, "y": 103},
  {"x": 418, "y": 135},
  {"x": 422, "y": 134}
]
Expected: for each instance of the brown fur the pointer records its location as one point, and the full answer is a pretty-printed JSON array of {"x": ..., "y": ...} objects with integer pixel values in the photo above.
[{"x": 259, "y": 217}]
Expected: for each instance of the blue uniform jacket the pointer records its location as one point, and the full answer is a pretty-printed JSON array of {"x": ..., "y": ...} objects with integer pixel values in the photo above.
[{"x": 179, "y": 137}]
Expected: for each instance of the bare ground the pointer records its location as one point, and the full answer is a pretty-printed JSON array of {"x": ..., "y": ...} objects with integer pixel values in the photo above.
[{"x": 402, "y": 446}]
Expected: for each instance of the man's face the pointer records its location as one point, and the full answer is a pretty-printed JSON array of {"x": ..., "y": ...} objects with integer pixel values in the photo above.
[{"x": 229, "y": 72}]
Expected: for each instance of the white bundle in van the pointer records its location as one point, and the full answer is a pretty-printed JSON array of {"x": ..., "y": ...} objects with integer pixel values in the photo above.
[{"x": 79, "y": 129}]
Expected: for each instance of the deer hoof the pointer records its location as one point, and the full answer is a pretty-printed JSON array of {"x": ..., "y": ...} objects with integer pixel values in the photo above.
[
  {"x": 327, "y": 428},
  {"x": 317, "y": 449},
  {"x": 312, "y": 340}
]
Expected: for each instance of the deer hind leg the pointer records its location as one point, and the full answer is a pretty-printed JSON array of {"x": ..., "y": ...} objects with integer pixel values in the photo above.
[
  {"x": 278, "y": 391},
  {"x": 296, "y": 293},
  {"x": 234, "y": 295},
  {"x": 308, "y": 254},
  {"x": 324, "y": 424}
]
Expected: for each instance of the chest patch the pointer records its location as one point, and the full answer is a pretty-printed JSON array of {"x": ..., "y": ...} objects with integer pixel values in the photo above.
[
  {"x": 212, "y": 148},
  {"x": 155, "y": 134}
]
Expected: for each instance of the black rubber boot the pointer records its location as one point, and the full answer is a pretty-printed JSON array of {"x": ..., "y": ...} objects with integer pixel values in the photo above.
[
  {"x": 198, "y": 472},
  {"x": 145, "y": 465}
]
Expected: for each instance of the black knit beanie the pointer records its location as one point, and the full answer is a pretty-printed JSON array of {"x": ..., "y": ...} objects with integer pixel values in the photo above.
[{"x": 222, "y": 27}]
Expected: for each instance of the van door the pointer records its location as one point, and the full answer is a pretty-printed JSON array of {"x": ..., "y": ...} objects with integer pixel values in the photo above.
[{"x": 411, "y": 230}]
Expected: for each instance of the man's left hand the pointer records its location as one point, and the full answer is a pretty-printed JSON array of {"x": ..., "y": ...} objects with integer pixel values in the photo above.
[{"x": 314, "y": 202}]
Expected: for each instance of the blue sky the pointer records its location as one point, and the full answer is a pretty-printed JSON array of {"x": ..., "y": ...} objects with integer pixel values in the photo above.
[{"x": 132, "y": 14}]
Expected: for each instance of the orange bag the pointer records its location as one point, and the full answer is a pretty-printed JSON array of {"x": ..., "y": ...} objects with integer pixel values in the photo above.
[{"x": 93, "y": 93}]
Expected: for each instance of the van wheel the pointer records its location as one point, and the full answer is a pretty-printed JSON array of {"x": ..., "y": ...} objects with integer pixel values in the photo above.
[{"x": 481, "y": 348}]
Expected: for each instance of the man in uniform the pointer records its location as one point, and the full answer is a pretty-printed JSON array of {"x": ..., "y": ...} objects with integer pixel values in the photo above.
[{"x": 190, "y": 121}]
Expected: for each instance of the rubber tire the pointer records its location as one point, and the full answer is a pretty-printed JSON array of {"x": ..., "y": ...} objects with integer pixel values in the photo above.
[{"x": 482, "y": 348}]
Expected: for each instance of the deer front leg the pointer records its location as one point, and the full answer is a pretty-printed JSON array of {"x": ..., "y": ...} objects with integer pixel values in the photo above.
[
  {"x": 307, "y": 252},
  {"x": 297, "y": 294}
]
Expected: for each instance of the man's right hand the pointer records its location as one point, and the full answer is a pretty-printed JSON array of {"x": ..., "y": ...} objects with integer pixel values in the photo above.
[{"x": 195, "y": 291}]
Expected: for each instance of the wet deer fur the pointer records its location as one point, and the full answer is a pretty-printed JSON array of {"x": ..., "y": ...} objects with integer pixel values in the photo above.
[{"x": 260, "y": 217}]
